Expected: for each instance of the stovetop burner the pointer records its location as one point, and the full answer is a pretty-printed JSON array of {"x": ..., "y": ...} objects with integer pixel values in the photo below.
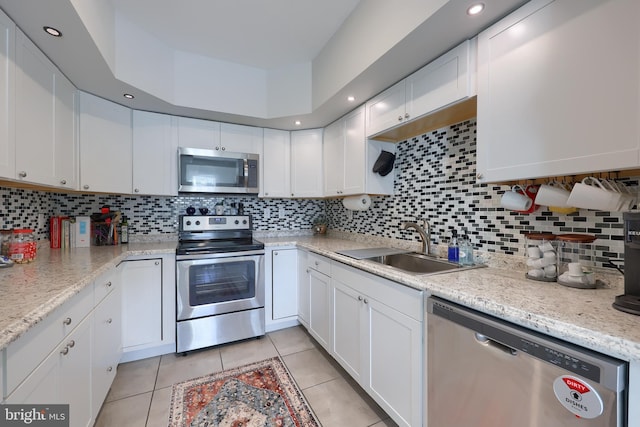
[{"x": 215, "y": 234}]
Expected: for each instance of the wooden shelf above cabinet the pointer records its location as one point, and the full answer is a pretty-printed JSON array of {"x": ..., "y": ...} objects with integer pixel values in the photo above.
[{"x": 455, "y": 113}]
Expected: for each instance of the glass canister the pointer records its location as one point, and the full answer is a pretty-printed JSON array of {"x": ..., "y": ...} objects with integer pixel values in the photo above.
[
  {"x": 541, "y": 257},
  {"x": 22, "y": 246},
  {"x": 577, "y": 260},
  {"x": 5, "y": 240}
]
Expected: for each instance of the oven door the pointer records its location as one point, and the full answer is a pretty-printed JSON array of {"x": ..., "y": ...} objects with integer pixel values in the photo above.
[{"x": 222, "y": 283}]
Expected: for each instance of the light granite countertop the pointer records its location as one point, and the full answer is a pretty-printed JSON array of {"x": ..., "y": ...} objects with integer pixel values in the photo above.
[
  {"x": 581, "y": 316},
  {"x": 30, "y": 292}
]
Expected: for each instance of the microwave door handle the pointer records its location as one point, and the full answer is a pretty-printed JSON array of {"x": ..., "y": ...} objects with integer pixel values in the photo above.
[{"x": 246, "y": 173}]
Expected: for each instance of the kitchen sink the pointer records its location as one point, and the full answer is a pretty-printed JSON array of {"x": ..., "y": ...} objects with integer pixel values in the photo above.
[{"x": 416, "y": 263}]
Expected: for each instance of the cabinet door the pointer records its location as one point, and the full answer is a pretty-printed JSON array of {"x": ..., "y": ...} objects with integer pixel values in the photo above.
[
  {"x": 107, "y": 346},
  {"x": 440, "y": 83},
  {"x": 240, "y": 139},
  {"x": 386, "y": 110},
  {"x": 196, "y": 133},
  {"x": 394, "y": 348},
  {"x": 285, "y": 283},
  {"x": 306, "y": 163},
  {"x": 75, "y": 371},
  {"x": 141, "y": 303},
  {"x": 333, "y": 158},
  {"x": 7, "y": 97},
  {"x": 105, "y": 146},
  {"x": 66, "y": 138},
  {"x": 320, "y": 308},
  {"x": 348, "y": 329},
  {"x": 155, "y": 154},
  {"x": 354, "y": 153},
  {"x": 35, "y": 114},
  {"x": 276, "y": 164},
  {"x": 545, "y": 106},
  {"x": 303, "y": 288},
  {"x": 42, "y": 385}
]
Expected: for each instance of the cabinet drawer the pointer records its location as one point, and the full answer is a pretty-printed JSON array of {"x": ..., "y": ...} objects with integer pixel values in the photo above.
[
  {"x": 104, "y": 285},
  {"x": 319, "y": 263},
  {"x": 26, "y": 353},
  {"x": 395, "y": 295}
]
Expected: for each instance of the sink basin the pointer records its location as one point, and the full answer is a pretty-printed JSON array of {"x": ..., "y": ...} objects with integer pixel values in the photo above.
[{"x": 417, "y": 263}]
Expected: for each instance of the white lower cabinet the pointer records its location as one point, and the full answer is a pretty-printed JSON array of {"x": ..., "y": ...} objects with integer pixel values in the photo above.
[
  {"x": 107, "y": 345},
  {"x": 319, "y": 284},
  {"x": 284, "y": 290},
  {"x": 63, "y": 377},
  {"x": 148, "y": 307},
  {"x": 377, "y": 338}
]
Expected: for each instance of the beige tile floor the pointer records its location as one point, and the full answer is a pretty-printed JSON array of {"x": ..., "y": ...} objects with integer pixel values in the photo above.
[{"x": 141, "y": 392}]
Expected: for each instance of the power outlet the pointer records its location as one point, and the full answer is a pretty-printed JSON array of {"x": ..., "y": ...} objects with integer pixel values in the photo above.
[
  {"x": 349, "y": 214},
  {"x": 281, "y": 213},
  {"x": 267, "y": 213}
]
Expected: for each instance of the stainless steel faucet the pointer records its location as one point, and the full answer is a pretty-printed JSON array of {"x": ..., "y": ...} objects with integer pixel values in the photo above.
[{"x": 424, "y": 235}]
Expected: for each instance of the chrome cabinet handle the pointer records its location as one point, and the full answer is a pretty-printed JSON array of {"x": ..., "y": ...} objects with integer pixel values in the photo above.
[
  {"x": 67, "y": 321},
  {"x": 406, "y": 115},
  {"x": 399, "y": 118},
  {"x": 71, "y": 344},
  {"x": 64, "y": 351},
  {"x": 157, "y": 263},
  {"x": 108, "y": 284},
  {"x": 217, "y": 148},
  {"x": 359, "y": 297},
  {"x": 110, "y": 368},
  {"x": 86, "y": 187},
  {"x": 479, "y": 176},
  {"x": 308, "y": 271},
  {"x": 136, "y": 190},
  {"x": 366, "y": 301},
  {"x": 223, "y": 148},
  {"x": 22, "y": 174},
  {"x": 63, "y": 182},
  {"x": 109, "y": 320},
  {"x": 275, "y": 253}
]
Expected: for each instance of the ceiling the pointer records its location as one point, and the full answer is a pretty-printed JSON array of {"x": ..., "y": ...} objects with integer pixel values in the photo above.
[{"x": 346, "y": 47}]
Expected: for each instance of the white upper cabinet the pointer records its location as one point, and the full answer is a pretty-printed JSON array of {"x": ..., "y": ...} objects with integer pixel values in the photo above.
[
  {"x": 105, "y": 146},
  {"x": 7, "y": 99},
  {"x": 306, "y": 163},
  {"x": 276, "y": 164},
  {"x": 45, "y": 111},
  {"x": 349, "y": 158},
  {"x": 196, "y": 133},
  {"x": 344, "y": 155},
  {"x": 440, "y": 83},
  {"x": 240, "y": 139},
  {"x": 558, "y": 90},
  {"x": 155, "y": 154}
]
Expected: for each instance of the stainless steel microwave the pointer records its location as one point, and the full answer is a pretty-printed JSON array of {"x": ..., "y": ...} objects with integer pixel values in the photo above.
[{"x": 211, "y": 171}]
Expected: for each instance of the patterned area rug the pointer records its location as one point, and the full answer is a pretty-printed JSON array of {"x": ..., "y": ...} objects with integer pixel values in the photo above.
[{"x": 258, "y": 394}]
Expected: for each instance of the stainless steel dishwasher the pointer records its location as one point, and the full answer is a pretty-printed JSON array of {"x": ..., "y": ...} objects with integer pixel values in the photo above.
[{"x": 485, "y": 372}]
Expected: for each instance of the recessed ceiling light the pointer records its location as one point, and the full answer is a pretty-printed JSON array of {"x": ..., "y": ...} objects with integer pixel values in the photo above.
[
  {"x": 52, "y": 31},
  {"x": 128, "y": 96},
  {"x": 351, "y": 98},
  {"x": 297, "y": 122},
  {"x": 475, "y": 9}
]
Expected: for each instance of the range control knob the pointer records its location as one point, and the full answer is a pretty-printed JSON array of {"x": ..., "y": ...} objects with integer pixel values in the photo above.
[
  {"x": 197, "y": 222},
  {"x": 188, "y": 222},
  {"x": 237, "y": 222},
  {"x": 244, "y": 221}
]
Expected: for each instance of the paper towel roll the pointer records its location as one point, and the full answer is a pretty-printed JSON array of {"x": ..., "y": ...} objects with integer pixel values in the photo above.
[{"x": 357, "y": 203}]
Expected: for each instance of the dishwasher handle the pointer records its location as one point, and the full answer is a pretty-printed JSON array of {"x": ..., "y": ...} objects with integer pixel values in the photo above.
[{"x": 486, "y": 341}]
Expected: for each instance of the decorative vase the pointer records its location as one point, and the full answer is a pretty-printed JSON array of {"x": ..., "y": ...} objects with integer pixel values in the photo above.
[{"x": 320, "y": 229}]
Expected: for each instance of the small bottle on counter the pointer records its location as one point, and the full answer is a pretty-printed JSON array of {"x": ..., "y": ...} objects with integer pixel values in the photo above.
[
  {"x": 124, "y": 230},
  {"x": 453, "y": 254},
  {"x": 465, "y": 250}
]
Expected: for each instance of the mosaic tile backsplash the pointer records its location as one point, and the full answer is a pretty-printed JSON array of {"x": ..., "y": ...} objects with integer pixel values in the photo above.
[{"x": 435, "y": 180}]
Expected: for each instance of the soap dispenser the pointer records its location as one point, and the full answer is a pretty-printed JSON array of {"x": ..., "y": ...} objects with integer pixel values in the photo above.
[{"x": 453, "y": 254}]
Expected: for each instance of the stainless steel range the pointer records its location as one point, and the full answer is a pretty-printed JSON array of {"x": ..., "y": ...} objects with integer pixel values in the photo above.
[{"x": 220, "y": 281}]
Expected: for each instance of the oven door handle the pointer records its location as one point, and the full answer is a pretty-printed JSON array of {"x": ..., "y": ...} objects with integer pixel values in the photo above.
[{"x": 219, "y": 255}]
